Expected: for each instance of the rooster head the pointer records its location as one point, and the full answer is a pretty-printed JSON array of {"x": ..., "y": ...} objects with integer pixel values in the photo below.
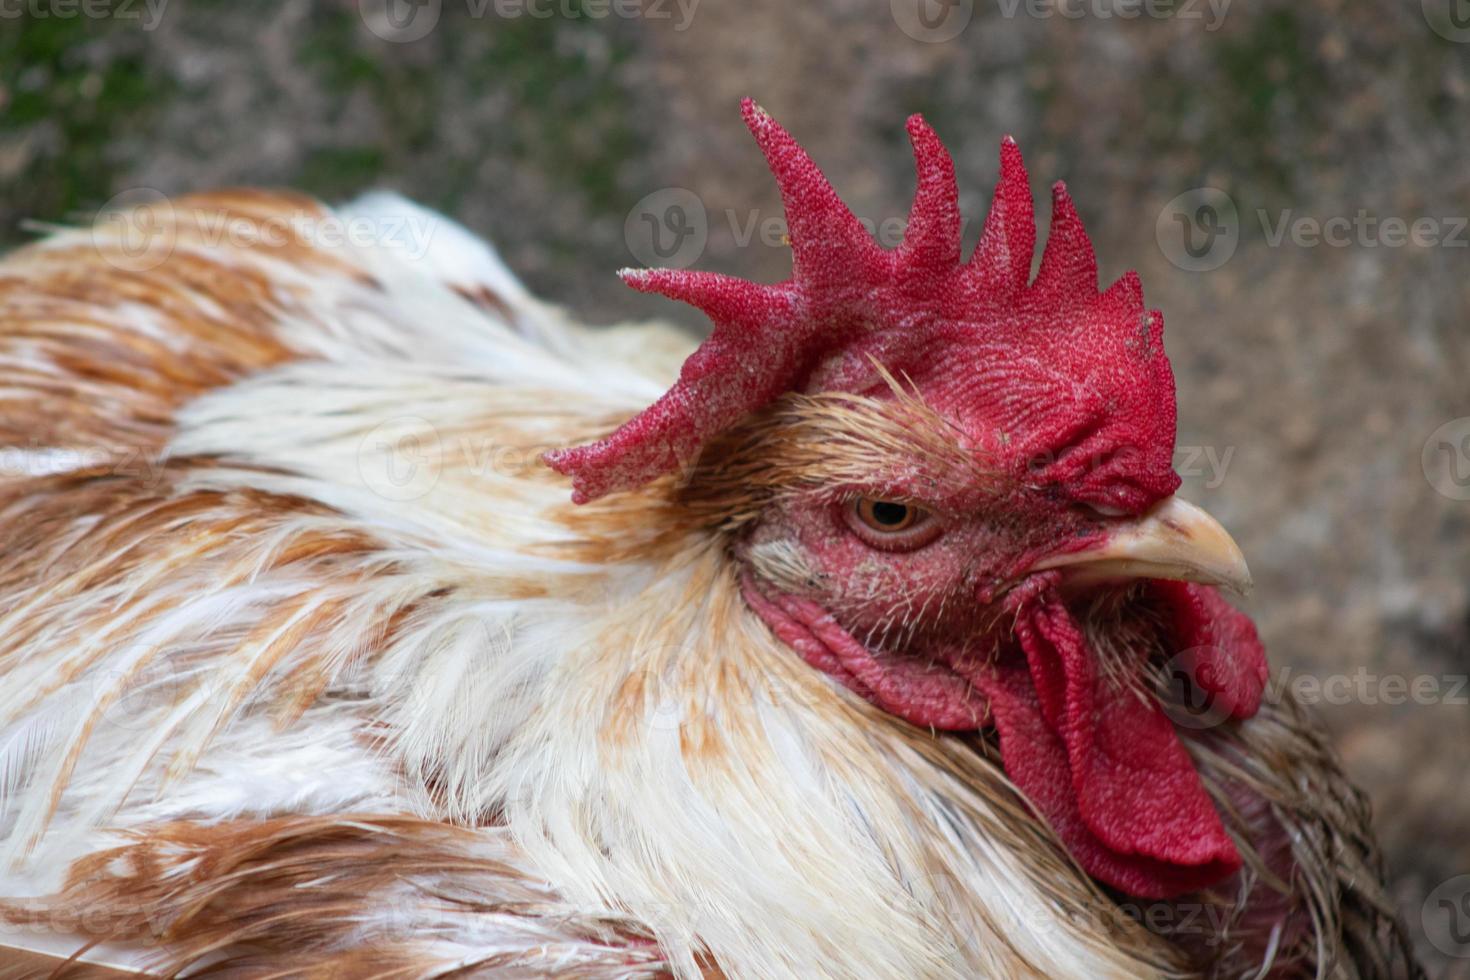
[{"x": 950, "y": 487}]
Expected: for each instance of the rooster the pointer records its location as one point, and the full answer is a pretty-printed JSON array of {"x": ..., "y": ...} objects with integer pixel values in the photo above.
[{"x": 876, "y": 646}]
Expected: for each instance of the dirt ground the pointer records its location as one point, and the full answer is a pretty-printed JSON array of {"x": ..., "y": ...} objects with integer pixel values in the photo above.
[{"x": 1322, "y": 374}]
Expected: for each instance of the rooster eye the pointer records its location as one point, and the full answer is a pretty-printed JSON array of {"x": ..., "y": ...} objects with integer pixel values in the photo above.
[
  {"x": 887, "y": 516},
  {"x": 891, "y": 525}
]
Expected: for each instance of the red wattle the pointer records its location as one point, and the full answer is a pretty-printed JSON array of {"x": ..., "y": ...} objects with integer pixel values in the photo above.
[
  {"x": 1102, "y": 765},
  {"x": 1217, "y": 645}
]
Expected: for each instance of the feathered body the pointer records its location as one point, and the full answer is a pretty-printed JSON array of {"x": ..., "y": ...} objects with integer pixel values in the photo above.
[{"x": 311, "y": 668}]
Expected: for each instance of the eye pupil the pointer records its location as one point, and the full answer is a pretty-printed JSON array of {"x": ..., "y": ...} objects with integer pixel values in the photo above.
[
  {"x": 890, "y": 525},
  {"x": 889, "y": 514}
]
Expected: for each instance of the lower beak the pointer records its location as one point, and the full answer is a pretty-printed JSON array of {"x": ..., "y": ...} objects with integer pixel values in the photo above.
[{"x": 1174, "y": 540}]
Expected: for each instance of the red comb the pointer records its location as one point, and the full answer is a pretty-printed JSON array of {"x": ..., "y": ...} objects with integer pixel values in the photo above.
[{"x": 850, "y": 301}]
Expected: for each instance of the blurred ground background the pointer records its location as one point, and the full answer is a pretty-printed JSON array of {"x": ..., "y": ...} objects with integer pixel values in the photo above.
[{"x": 1311, "y": 376}]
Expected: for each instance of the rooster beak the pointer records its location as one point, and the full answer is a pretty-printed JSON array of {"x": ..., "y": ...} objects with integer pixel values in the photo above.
[{"x": 1174, "y": 540}]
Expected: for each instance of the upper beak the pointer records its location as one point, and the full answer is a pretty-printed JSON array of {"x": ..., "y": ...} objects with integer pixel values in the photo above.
[{"x": 1174, "y": 540}]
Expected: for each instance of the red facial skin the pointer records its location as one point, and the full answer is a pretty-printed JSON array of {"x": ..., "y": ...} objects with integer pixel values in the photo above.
[
  {"x": 928, "y": 584},
  {"x": 943, "y": 625},
  {"x": 922, "y": 603}
]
